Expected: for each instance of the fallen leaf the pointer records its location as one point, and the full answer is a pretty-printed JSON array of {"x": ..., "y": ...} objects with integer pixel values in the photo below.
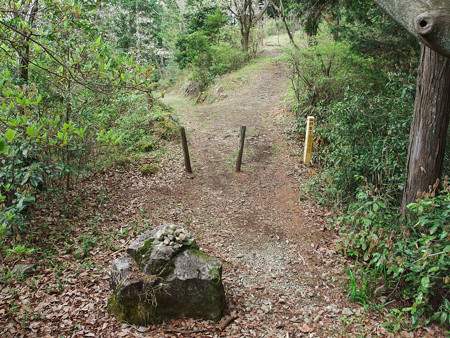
[{"x": 306, "y": 329}]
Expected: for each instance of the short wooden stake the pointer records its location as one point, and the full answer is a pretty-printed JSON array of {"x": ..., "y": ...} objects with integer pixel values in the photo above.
[
  {"x": 241, "y": 148},
  {"x": 187, "y": 159},
  {"x": 308, "y": 140}
]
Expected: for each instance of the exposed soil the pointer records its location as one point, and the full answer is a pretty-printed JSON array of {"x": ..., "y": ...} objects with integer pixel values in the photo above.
[{"x": 282, "y": 275}]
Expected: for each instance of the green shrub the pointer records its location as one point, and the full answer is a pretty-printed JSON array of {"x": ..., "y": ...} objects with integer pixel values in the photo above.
[
  {"x": 207, "y": 47},
  {"x": 227, "y": 58},
  {"x": 122, "y": 161},
  {"x": 323, "y": 73},
  {"x": 362, "y": 112},
  {"x": 414, "y": 252},
  {"x": 363, "y": 135}
]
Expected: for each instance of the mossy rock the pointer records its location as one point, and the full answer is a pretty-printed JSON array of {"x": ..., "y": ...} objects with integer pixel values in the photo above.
[
  {"x": 122, "y": 161},
  {"x": 172, "y": 282},
  {"x": 148, "y": 170},
  {"x": 146, "y": 147},
  {"x": 193, "y": 289}
]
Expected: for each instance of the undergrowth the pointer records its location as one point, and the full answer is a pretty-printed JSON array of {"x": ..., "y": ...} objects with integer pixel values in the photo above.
[
  {"x": 363, "y": 104},
  {"x": 411, "y": 253}
]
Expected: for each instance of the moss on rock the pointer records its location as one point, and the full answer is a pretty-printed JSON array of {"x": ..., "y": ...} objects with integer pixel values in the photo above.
[
  {"x": 148, "y": 170},
  {"x": 176, "y": 281}
]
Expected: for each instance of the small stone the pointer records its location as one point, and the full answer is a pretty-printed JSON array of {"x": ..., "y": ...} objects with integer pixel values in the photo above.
[
  {"x": 166, "y": 241},
  {"x": 265, "y": 308},
  {"x": 171, "y": 237},
  {"x": 25, "y": 270},
  {"x": 332, "y": 308},
  {"x": 142, "y": 329},
  {"x": 172, "y": 227},
  {"x": 159, "y": 236},
  {"x": 177, "y": 232},
  {"x": 172, "y": 243},
  {"x": 347, "y": 311},
  {"x": 182, "y": 237}
]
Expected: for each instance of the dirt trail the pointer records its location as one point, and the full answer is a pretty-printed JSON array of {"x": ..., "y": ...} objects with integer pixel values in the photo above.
[{"x": 281, "y": 274}]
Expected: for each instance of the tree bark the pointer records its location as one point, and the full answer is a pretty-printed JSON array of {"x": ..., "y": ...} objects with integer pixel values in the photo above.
[
  {"x": 429, "y": 125},
  {"x": 24, "y": 52},
  {"x": 247, "y": 19},
  {"x": 427, "y": 20}
]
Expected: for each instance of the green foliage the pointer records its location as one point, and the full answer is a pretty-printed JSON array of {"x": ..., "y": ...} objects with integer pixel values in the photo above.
[
  {"x": 65, "y": 102},
  {"x": 413, "y": 252},
  {"x": 373, "y": 33},
  {"x": 27, "y": 148},
  {"x": 323, "y": 73},
  {"x": 362, "y": 113},
  {"x": 362, "y": 283},
  {"x": 141, "y": 130},
  {"x": 207, "y": 47},
  {"x": 364, "y": 135},
  {"x": 145, "y": 30},
  {"x": 19, "y": 251}
]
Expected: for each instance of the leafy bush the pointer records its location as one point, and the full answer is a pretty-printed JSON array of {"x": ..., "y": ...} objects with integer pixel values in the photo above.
[
  {"x": 57, "y": 109},
  {"x": 207, "y": 47},
  {"x": 362, "y": 114},
  {"x": 364, "y": 135},
  {"x": 32, "y": 151},
  {"x": 414, "y": 252},
  {"x": 141, "y": 130},
  {"x": 323, "y": 73}
]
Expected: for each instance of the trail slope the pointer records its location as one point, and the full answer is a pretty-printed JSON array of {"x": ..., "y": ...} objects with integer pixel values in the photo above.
[{"x": 281, "y": 275}]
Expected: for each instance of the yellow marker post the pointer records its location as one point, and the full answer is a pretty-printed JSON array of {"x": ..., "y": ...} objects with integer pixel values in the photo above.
[{"x": 308, "y": 140}]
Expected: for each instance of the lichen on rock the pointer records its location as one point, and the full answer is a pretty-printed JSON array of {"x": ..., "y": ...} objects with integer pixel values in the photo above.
[{"x": 165, "y": 276}]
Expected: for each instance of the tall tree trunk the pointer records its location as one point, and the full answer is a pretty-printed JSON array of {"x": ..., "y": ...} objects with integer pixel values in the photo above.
[
  {"x": 24, "y": 52},
  {"x": 429, "y": 126},
  {"x": 24, "y": 59},
  {"x": 245, "y": 32}
]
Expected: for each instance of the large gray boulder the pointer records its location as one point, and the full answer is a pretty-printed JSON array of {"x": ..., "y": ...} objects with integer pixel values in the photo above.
[{"x": 165, "y": 276}]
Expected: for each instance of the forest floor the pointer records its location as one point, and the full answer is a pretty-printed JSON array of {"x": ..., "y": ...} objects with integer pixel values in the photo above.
[{"x": 281, "y": 272}]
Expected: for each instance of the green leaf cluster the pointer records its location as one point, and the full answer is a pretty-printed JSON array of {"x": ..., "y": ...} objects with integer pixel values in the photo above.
[
  {"x": 413, "y": 252},
  {"x": 207, "y": 46},
  {"x": 65, "y": 86}
]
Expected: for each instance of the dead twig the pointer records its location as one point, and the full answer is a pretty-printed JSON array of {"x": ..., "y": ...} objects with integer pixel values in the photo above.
[{"x": 227, "y": 321}]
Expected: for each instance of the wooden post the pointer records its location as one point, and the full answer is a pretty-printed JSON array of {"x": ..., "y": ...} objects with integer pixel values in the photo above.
[
  {"x": 308, "y": 140},
  {"x": 187, "y": 160},
  {"x": 241, "y": 148}
]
